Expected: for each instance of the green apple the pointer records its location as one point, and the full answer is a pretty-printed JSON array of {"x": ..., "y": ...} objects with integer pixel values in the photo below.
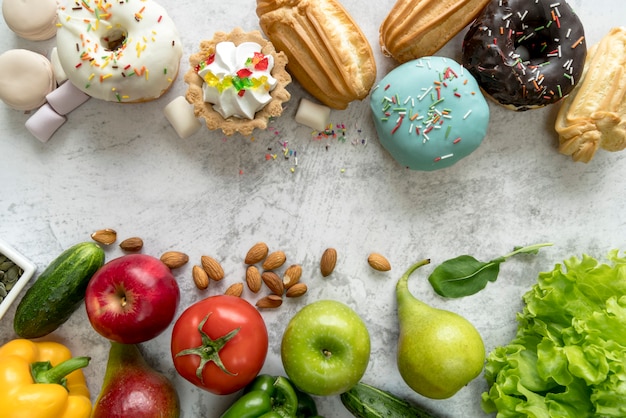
[{"x": 325, "y": 348}]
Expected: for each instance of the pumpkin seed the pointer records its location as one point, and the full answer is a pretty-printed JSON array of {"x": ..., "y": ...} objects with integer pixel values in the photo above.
[
  {"x": 4, "y": 266},
  {"x": 12, "y": 274},
  {"x": 9, "y": 274}
]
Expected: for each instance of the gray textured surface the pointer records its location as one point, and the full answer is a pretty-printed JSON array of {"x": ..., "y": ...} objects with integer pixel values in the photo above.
[{"x": 123, "y": 167}]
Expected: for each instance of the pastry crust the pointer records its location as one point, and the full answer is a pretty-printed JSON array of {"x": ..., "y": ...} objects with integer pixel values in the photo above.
[
  {"x": 233, "y": 124},
  {"x": 593, "y": 116},
  {"x": 328, "y": 53},
  {"x": 419, "y": 28}
]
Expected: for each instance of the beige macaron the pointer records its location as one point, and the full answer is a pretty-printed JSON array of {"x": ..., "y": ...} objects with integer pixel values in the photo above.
[
  {"x": 34, "y": 20},
  {"x": 26, "y": 77}
]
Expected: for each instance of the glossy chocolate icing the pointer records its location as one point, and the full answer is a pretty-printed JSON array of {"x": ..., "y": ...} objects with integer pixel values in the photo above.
[{"x": 526, "y": 53}]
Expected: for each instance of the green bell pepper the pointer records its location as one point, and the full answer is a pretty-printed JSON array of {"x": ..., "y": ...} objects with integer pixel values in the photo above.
[
  {"x": 264, "y": 382},
  {"x": 272, "y": 397},
  {"x": 306, "y": 404},
  {"x": 285, "y": 400},
  {"x": 251, "y": 405},
  {"x": 271, "y": 414}
]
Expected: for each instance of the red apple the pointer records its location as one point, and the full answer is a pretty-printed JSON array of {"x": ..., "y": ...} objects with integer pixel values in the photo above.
[{"x": 132, "y": 299}]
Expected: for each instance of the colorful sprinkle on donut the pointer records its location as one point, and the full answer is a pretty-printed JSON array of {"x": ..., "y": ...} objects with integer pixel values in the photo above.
[
  {"x": 526, "y": 54},
  {"x": 429, "y": 113},
  {"x": 121, "y": 50}
]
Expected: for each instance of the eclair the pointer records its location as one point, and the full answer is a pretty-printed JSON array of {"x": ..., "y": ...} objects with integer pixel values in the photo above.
[
  {"x": 419, "y": 28},
  {"x": 593, "y": 116},
  {"x": 328, "y": 53}
]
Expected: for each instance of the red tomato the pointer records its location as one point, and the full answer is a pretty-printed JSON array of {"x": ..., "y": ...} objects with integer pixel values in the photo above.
[{"x": 237, "y": 332}]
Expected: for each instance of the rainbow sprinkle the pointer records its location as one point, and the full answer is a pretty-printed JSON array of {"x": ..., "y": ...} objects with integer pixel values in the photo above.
[
  {"x": 108, "y": 52},
  {"x": 437, "y": 116}
]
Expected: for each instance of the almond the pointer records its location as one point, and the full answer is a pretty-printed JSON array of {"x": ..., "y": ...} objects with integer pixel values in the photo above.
[
  {"x": 200, "y": 278},
  {"x": 132, "y": 244},
  {"x": 269, "y": 301},
  {"x": 272, "y": 281},
  {"x": 296, "y": 290},
  {"x": 104, "y": 236},
  {"x": 292, "y": 275},
  {"x": 257, "y": 253},
  {"x": 328, "y": 261},
  {"x": 378, "y": 262},
  {"x": 174, "y": 259},
  {"x": 274, "y": 260},
  {"x": 235, "y": 289},
  {"x": 253, "y": 278},
  {"x": 212, "y": 267}
]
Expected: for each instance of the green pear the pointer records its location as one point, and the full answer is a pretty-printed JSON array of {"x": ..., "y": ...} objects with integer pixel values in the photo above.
[
  {"x": 439, "y": 351},
  {"x": 131, "y": 388}
]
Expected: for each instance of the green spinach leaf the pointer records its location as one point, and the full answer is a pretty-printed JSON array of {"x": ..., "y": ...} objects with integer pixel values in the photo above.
[{"x": 465, "y": 275}]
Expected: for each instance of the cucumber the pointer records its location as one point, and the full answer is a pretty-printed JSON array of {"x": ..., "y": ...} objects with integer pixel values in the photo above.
[
  {"x": 365, "y": 401},
  {"x": 58, "y": 291}
]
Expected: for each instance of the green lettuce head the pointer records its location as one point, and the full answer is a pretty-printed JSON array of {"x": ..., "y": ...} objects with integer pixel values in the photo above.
[{"x": 568, "y": 358}]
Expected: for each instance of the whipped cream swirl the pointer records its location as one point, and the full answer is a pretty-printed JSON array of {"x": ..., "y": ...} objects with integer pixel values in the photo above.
[{"x": 237, "y": 79}]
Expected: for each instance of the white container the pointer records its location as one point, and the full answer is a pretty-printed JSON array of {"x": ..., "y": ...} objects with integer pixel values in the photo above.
[{"x": 28, "y": 270}]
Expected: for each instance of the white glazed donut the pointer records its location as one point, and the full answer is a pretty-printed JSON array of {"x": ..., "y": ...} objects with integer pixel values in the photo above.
[{"x": 118, "y": 50}]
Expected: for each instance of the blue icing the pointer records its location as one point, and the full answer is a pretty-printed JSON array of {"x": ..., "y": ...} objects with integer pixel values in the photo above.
[{"x": 429, "y": 113}]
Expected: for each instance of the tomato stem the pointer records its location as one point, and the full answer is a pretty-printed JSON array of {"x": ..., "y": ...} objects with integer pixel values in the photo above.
[{"x": 209, "y": 350}]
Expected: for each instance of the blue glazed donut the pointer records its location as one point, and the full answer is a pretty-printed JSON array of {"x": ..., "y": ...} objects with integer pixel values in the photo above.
[{"x": 429, "y": 113}]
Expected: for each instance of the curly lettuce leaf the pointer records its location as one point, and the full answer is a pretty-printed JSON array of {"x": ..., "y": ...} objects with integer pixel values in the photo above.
[{"x": 568, "y": 358}]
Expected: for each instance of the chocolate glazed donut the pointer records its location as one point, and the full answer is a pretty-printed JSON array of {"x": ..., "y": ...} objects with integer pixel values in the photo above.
[{"x": 526, "y": 53}]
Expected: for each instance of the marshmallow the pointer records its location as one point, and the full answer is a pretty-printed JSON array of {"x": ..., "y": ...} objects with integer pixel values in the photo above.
[
  {"x": 182, "y": 118},
  {"x": 57, "y": 68},
  {"x": 44, "y": 123},
  {"x": 66, "y": 98},
  {"x": 313, "y": 115}
]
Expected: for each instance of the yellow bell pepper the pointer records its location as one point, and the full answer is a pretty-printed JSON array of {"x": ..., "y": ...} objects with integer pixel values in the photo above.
[{"x": 42, "y": 380}]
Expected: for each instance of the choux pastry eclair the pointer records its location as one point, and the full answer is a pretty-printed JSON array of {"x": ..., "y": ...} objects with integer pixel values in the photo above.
[
  {"x": 419, "y": 28},
  {"x": 593, "y": 116},
  {"x": 327, "y": 51}
]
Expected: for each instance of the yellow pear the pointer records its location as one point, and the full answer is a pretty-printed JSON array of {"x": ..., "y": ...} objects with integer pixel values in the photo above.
[{"x": 439, "y": 351}]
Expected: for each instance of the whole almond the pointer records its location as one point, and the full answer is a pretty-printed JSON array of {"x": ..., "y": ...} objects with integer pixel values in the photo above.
[
  {"x": 174, "y": 259},
  {"x": 132, "y": 244},
  {"x": 378, "y": 262},
  {"x": 274, "y": 260},
  {"x": 235, "y": 289},
  {"x": 273, "y": 282},
  {"x": 200, "y": 278},
  {"x": 257, "y": 253},
  {"x": 269, "y": 301},
  {"x": 212, "y": 267},
  {"x": 328, "y": 261},
  {"x": 253, "y": 278},
  {"x": 296, "y": 290},
  {"x": 104, "y": 236},
  {"x": 292, "y": 275}
]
